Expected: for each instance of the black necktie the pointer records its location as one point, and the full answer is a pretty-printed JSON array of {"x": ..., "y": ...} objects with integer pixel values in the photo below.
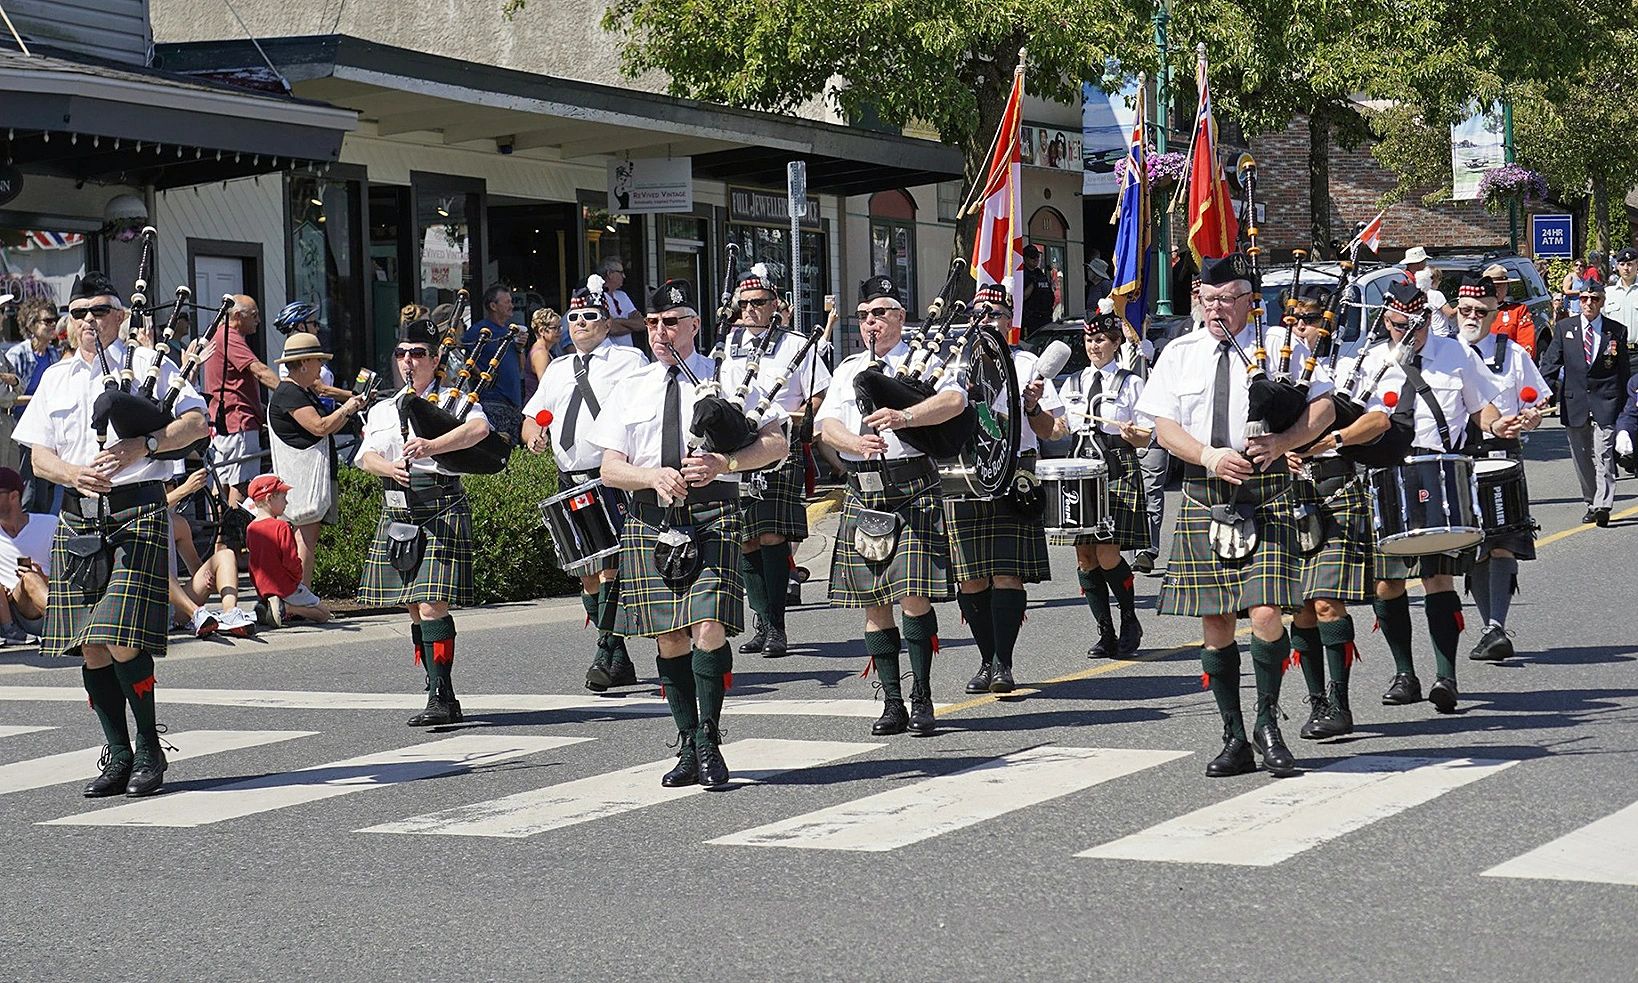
[
  {"x": 671, "y": 423},
  {"x": 1220, "y": 398},
  {"x": 582, "y": 394}
]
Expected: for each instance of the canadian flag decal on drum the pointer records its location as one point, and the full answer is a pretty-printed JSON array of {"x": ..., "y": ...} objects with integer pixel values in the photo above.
[{"x": 584, "y": 501}]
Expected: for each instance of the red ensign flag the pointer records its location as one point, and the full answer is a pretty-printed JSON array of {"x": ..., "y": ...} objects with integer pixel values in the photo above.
[{"x": 1213, "y": 231}]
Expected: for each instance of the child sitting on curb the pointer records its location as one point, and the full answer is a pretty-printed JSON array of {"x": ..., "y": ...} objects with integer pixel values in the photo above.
[{"x": 275, "y": 566}]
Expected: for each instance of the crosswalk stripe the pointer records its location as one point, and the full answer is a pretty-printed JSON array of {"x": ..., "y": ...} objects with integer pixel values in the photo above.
[
  {"x": 13, "y": 730},
  {"x": 471, "y": 702},
  {"x": 889, "y": 820},
  {"x": 201, "y": 807},
  {"x": 81, "y": 765},
  {"x": 1602, "y": 852},
  {"x": 601, "y": 796},
  {"x": 1283, "y": 818}
]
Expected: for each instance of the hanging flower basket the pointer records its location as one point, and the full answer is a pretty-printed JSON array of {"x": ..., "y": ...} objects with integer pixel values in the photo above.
[
  {"x": 1509, "y": 183},
  {"x": 1165, "y": 170}
]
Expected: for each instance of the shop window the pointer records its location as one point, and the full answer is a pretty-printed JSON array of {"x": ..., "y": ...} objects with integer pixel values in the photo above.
[
  {"x": 613, "y": 236},
  {"x": 893, "y": 241},
  {"x": 771, "y": 245},
  {"x": 325, "y": 239},
  {"x": 1049, "y": 231},
  {"x": 949, "y": 201},
  {"x": 39, "y": 263}
]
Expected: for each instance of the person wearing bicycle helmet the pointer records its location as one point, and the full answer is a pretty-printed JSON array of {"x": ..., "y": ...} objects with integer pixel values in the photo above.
[{"x": 302, "y": 316}]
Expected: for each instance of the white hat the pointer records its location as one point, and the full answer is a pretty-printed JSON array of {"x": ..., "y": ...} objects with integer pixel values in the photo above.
[{"x": 1416, "y": 254}]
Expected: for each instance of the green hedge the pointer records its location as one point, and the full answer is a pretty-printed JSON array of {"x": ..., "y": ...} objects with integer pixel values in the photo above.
[{"x": 513, "y": 557}]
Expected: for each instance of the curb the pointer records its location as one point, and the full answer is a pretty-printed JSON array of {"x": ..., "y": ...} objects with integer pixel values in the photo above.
[{"x": 831, "y": 502}]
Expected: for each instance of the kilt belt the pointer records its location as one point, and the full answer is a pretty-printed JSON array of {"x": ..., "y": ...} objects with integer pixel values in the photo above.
[
  {"x": 994, "y": 539},
  {"x": 648, "y": 606},
  {"x": 438, "y": 504},
  {"x": 1128, "y": 502},
  {"x": 133, "y": 610},
  {"x": 780, "y": 510},
  {"x": 920, "y": 565},
  {"x": 1198, "y": 582},
  {"x": 1342, "y": 568}
]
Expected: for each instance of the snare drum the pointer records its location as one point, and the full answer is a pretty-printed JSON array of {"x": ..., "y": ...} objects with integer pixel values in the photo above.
[
  {"x": 1427, "y": 505},
  {"x": 1504, "y": 498},
  {"x": 1077, "y": 496},
  {"x": 584, "y": 523}
]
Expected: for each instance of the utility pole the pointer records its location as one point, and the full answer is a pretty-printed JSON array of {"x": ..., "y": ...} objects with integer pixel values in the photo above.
[{"x": 1507, "y": 156}]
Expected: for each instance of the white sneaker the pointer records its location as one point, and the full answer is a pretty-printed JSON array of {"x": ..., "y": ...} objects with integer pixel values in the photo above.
[
  {"x": 275, "y": 611},
  {"x": 236, "y": 622},
  {"x": 204, "y": 623}
]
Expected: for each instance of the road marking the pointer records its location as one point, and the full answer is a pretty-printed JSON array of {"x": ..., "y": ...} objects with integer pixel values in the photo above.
[
  {"x": 896, "y": 818},
  {"x": 602, "y": 796},
  {"x": 1284, "y": 818},
  {"x": 201, "y": 807},
  {"x": 13, "y": 730},
  {"x": 1601, "y": 852},
  {"x": 81, "y": 765},
  {"x": 471, "y": 702}
]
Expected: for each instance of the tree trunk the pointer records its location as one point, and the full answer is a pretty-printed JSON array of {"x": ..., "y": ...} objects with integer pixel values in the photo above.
[
  {"x": 1601, "y": 212},
  {"x": 1319, "y": 181}
]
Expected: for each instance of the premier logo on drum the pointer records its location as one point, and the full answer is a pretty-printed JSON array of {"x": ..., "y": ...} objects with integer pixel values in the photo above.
[{"x": 1422, "y": 496}]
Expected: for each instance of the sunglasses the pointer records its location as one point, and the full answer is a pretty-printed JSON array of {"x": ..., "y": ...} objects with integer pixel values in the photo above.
[
  {"x": 583, "y": 316},
  {"x": 45, "y": 320},
  {"x": 1471, "y": 310},
  {"x": 669, "y": 321},
  {"x": 764, "y": 302},
  {"x": 1592, "y": 298},
  {"x": 97, "y": 310},
  {"x": 877, "y": 312},
  {"x": 1313, "y": 317},
  {"x": 410, "y": 353}
]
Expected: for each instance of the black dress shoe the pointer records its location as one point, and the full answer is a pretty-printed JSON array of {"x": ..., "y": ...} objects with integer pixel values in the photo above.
[
  {"x": 621, "y": 671},
  {"x": 687, "y": 771},
  {"x": 773, "y": 646},
  {"x": 1235, "y": 759},
  {"x": 147, "y": 770},
  {"x": 893, "y": 719},
  {"x": 713, "y": 770},
  {"x": 1319, "y": 707},
  {"x": 1143, "y": 562},
  {"x": 1403, "y": 691},
  {"x": 1131, "y": 636},
  {"x": 1338, "y": 722},
  {"x": 1443, "y": 695},
  {"x": 116, "y": 773},
  {"x": 1601, "y": 517},
  {"x": 441, "y": 711},
  {"x": 759, "y": 638},
  {"x": 922, "y": 722},
  {"x": 1494, "y": 645},
  {"x": 598, "y": 675},
  {"x": 1106, "y": 647},
  {"x": 1000, "y": 681},
  {"x": 1277, "y": 757},
  {"x": 980, "y": 683},
  {"x": 1589, "y": 517}
]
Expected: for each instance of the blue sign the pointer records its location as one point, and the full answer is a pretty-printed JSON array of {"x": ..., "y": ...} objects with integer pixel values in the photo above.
[{"x": 1552, "y": 237}]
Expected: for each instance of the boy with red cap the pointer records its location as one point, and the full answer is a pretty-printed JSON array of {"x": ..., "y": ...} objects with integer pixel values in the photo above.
[{"x": 275, "y": 566}]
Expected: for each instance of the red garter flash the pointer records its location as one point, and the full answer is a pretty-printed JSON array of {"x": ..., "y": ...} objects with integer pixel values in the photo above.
[
  {"x": 143, "y": 687},
  {"x": 443, "y": 652}
]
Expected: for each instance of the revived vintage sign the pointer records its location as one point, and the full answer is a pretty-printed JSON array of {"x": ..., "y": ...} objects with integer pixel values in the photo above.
[{"x": 651, "y": 185}]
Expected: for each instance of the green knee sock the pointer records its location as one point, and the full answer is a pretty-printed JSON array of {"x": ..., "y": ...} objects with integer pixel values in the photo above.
[
  {"x": 1444, "y": 611},
  {"x": 1338, "y": 638},
  {"x": 1123, "y": 586},
  {"x": 1222, "y": 669},
  {"x": 102, "y": 686},
  {"x": 1097, "y": 597},
  {"x": 415, "y": 639},
  {"x": 921, "y": 641},
  {"x": 136, "y": 680},
  {"x": 1393, "y": 617},
  {"x": 1305, "y": 648},
  {"x": 1268, "y": 663},
  {"x": 776, "y": 579},
  {"x": 712, "y": 670},
  {"x": 677, "y": 680},
  {"x": 1007, "y": 607},
  {"x": 590, "y": 603},
  {"x": 438, "y": 652},
  {"x": 883, "y": 649},
  {"x": 977, "y": 608},
  {"x": 756, "y": 590}
]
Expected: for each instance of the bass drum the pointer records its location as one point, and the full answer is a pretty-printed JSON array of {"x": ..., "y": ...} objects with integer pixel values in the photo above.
[{"x": 988, "y": 462}]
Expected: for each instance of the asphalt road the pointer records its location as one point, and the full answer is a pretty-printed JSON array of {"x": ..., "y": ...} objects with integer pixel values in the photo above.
[{"x": 1412, "y": 848}]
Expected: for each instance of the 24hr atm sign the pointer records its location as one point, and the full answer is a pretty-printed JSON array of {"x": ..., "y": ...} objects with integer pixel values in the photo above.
[{"x": 1552, "y": 236}]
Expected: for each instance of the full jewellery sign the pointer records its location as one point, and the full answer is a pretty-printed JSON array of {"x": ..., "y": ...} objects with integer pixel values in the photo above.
[{"x": 751, "y": 206}]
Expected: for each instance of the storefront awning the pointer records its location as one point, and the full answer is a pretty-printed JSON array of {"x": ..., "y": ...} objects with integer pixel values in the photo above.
[
  {"x": 86, "y": 120},
  {"x": 402, "y": 92}
]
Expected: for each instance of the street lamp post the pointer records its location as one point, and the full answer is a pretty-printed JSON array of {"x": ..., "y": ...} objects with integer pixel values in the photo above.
[
  {"x": 1163, "y": 244},
  {"x": 1507, "y": 156}
]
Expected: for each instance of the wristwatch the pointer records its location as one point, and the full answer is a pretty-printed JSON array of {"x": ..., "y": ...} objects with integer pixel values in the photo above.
[
  {"x": 1336, "y": 438},
  {"x": 733, "y": 463},
  {"x": 908, "y": 417},
  {"x": 152, "y": 443}
]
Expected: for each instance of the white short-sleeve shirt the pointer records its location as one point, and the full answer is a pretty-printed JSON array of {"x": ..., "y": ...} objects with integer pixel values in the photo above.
[
  {"x": 841, "y": 402},
  {"x": 608, "y": 366},
  {"x": 383, "y": 433}
]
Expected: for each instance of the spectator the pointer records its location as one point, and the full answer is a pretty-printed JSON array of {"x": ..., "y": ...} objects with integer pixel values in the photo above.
[
  {"x": 302, "y": 316},
  {"x": 1185, "y": 281},
  {"x": 1098, "y": 282},
  {"x": 1621, "y": 293},
  {"x": 233, "y": 377},
  {"x": 275, "y": 566},
  {"x": 412, "y": 312},
  {"x": 628, "y": 327},
  {"x": 547, "y": 327},
  {"x": 1415, "y": 261},
  {"x": 218, "y": 573},
  {"x": 25, "y": 564},
  {"x": 1441, "y": 310},
  {"x": 1584, "y": 272},
  {"x": 1589, "y": 364},
  {"x": 502, "y": 399},
  {"x": 1038, "y": 297},
  {"x": 1512, "y": 318},
  {"x": 301, "y": 435}
]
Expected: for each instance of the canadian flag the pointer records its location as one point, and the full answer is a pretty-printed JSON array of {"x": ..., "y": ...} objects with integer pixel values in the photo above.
[
  {"x": 998, "y": 252},
  {"x": 1371, "y": 235}
]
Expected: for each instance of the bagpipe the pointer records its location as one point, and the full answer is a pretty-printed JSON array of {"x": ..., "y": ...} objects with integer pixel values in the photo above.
[
  {"x": 918, "y": 378},
  {"x": 441, "y": 410}
]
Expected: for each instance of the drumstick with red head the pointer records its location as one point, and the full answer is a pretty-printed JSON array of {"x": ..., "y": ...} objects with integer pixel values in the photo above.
[
  {"x": 1528, "y": 394},
  {"x": 543, "y": 419},
  {"x": 1390, "y": 399}
]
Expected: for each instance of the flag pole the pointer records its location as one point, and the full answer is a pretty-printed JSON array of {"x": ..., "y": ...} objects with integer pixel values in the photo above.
[
  {"x": 1194, "y": 134},
  {"x": 970, "y": 206}
]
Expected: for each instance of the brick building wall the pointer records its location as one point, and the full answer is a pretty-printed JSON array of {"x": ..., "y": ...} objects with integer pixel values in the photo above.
[{"x": 1357, "y": 182}]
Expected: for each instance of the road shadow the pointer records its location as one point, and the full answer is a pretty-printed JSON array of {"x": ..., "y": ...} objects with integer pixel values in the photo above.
[{"x": 1583, "y": 656}]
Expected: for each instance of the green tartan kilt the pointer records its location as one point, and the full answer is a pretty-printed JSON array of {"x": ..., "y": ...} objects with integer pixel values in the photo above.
[
  {"x": 1341, "y": 570},
  {"x": 445, "y": 573},
  {"x": 919, "y": 567},
  {"x": 1128, "y": 505},
  {"x": 994, "y": 539},
  {"x": 1199, "y": 583},
  {"x": 134, "y": 610},
  {"x": 648, "y": 606},
  {"x": 781, "y": 510}
]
